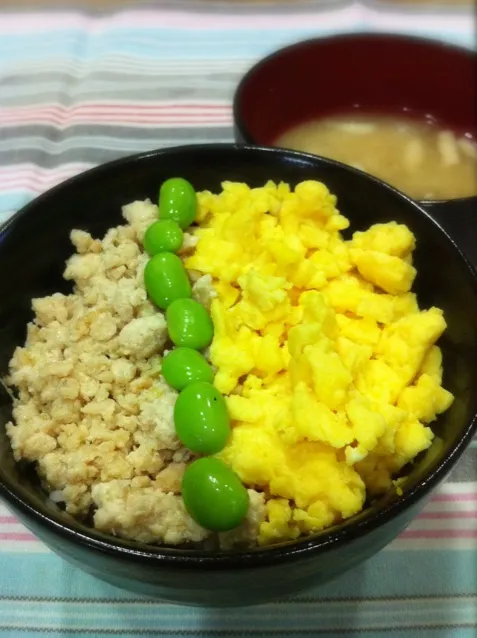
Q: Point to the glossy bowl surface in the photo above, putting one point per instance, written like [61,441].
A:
[34,245]
[371,73]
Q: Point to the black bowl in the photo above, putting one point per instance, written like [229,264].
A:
[34,245]
[367,72]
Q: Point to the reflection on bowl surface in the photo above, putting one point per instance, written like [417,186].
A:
[93,202]
[381,103]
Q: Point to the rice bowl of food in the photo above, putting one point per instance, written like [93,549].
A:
[256,368]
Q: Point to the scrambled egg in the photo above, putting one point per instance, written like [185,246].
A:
[328,364]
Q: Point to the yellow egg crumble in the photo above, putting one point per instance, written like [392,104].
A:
[329,367]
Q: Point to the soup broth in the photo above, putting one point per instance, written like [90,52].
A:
[417,157]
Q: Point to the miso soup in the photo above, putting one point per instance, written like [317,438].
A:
[417,157]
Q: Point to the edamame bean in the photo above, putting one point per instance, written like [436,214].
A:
[163,236]
[183,366]
[189,324]
[178,201]
[201,418]
[214,495]
[166,280]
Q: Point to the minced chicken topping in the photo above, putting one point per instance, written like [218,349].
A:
[92,409]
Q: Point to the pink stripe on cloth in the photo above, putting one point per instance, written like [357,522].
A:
[447,515]
[438,533]
[182,19]
[118,106]
[400,19]
[36,179]
[463,496]
[17,536]
[117,113]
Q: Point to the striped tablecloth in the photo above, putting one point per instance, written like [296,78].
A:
[78,89]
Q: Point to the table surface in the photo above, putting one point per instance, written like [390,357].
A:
[78,89]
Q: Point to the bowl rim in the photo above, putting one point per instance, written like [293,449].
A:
[350,39]
[197,559]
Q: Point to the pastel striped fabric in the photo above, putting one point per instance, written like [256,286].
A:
[78,89]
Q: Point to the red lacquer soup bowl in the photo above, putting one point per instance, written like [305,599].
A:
[359,73]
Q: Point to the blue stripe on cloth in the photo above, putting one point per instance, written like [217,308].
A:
[176,44]
[12,201]
[440,592]
[172,44]
[431,573]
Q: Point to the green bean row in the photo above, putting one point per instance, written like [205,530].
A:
[212,493]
